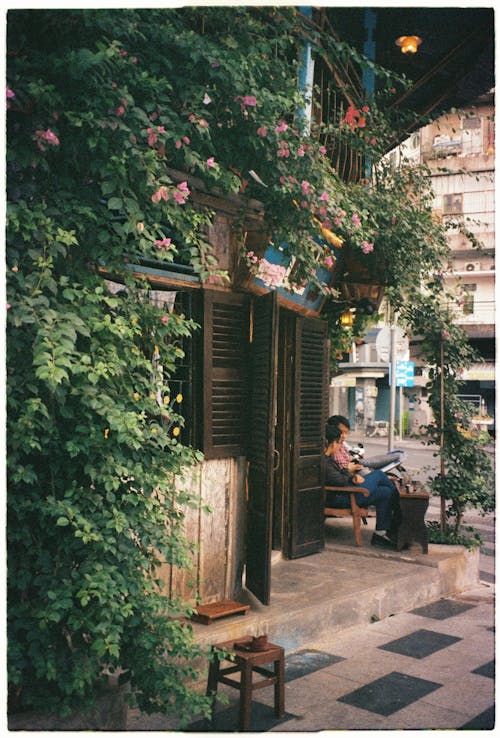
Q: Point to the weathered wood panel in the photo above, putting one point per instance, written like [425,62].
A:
[217,562]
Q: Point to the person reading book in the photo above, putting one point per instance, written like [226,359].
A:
[386,462]
[384,496]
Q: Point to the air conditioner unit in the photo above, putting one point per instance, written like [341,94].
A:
[473,266]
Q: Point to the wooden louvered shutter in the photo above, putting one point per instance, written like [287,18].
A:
[225,382]
[306,521]
[261,446]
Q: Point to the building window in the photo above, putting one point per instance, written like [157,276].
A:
[453,204]
[469,290]
[472,135]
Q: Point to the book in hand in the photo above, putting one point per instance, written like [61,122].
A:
[385,462]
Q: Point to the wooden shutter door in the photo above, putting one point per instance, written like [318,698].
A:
[225,380]
[261,446]
[306,518]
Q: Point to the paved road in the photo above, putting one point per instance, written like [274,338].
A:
[422,463]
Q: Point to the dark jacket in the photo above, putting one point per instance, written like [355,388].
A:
[335,476]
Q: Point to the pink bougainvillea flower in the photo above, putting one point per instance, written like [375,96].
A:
[160,194]
[211,162]
[182,193]
[47,136]
[365,109]
[164,319]
[186,140]
[178,144]
[134,60]
[355,219]
[324,196]
[207,99]
[282,127]
[249,101]
[262,131]
[301,151]
[306,187]
[8,305]
[329,261]
[51,137]
[164,243]
[366,247]
[273,275]
[10,94]
[192,118]
[152,137]
[322,150]
[120,110]
[123,52]
[351,117]
[203,123]
[362,121]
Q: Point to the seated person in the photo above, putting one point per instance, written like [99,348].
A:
[374,462]
[383,494]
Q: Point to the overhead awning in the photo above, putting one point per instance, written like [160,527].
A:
[482,372]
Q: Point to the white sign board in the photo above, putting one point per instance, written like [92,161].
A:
[383,345]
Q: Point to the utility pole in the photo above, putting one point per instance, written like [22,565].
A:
[392,415]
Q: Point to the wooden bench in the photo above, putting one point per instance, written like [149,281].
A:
[357,513]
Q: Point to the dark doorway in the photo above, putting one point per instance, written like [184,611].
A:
[289,406]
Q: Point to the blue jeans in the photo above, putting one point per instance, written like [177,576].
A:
[383,496]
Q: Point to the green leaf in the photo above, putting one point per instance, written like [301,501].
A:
[115,203]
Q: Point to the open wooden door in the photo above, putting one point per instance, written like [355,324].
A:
[263,361]
[305,519]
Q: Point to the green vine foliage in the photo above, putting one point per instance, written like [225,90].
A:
[466,479]
[103,108]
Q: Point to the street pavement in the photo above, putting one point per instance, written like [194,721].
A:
[432,668]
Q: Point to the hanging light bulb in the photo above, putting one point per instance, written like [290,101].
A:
[346,319]
[408,44]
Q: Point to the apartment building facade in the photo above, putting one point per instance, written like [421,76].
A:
[459,149]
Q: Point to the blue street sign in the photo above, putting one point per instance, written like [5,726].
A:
[405,373]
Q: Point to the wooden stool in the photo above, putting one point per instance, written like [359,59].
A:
[247,662]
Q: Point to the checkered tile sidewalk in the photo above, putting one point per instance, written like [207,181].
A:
[431,668]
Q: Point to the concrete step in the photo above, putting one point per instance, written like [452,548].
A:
[345,586]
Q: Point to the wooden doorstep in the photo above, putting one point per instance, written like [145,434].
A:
[207,614]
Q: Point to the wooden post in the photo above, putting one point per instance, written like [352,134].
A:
[441,441]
